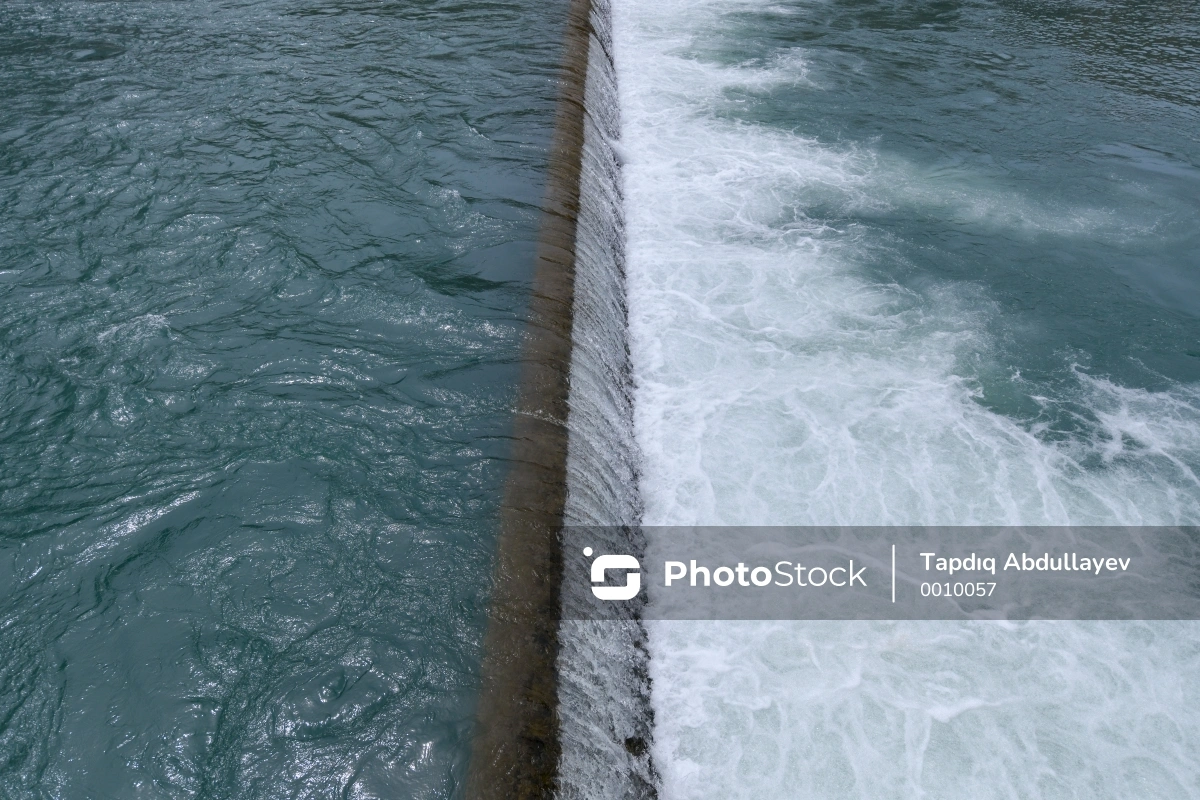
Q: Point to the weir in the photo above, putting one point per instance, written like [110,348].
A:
[564,706]
[604,687]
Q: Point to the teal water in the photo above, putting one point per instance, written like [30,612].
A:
[1044,160]
[262,275]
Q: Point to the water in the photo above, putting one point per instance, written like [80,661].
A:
[263,268]
[604,704]
[916,263]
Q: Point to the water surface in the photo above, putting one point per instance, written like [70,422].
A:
[262,274]
[896,263]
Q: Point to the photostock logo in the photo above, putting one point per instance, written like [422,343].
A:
[633,580]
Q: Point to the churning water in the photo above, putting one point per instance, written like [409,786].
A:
[263,268]
[916,263]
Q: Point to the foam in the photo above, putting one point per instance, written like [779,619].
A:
[777,384]
[885,710]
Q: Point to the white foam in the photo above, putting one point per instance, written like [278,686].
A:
[886,710]
[776,384]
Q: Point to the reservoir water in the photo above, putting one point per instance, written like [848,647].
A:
[916,263]
[263,271]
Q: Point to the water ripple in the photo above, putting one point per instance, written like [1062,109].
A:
[262,271]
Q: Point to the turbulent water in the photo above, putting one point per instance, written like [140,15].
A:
[262,275]
[916,263]
[604,715]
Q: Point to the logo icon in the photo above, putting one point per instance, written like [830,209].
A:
[633,580]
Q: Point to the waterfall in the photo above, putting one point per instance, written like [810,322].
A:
[604,689]
[565,703]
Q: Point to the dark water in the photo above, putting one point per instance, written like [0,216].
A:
[262,273]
